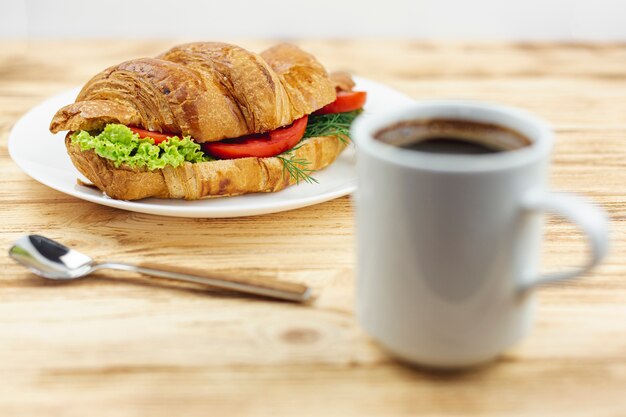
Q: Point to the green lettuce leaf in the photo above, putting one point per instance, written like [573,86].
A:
[120,145]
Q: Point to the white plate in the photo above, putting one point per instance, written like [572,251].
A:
[42,155]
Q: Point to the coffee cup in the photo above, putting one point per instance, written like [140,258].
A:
[449,240]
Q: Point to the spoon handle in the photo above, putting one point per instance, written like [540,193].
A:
[272,288]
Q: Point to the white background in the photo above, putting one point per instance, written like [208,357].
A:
[569,20]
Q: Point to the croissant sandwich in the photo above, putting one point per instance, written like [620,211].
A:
[208,120]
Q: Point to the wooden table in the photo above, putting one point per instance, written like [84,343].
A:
[119,345]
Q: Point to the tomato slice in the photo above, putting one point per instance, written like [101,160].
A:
[259,146]
[346,101]
[156,136]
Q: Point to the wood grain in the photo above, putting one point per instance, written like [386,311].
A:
[121,345]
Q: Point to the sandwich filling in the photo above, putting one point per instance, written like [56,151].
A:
[136,148]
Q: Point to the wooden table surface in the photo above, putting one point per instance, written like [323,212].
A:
[121,345]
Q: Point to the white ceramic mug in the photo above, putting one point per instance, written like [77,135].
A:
[448,245]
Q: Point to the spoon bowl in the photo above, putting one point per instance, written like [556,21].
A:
[50,259]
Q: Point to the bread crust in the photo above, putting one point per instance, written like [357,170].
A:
[193,181]
[207,90]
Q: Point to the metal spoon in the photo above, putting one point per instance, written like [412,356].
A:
[50,259]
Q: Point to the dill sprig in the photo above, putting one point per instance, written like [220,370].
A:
[334,124]
[296,167]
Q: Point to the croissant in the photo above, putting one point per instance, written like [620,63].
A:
[210,92]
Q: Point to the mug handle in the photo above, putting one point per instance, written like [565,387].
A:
[591,220]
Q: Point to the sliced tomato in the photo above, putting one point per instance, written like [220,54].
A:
[260,146]
[156,136]
[346,101]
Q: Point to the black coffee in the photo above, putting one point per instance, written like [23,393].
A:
[452,136]
[450,146]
